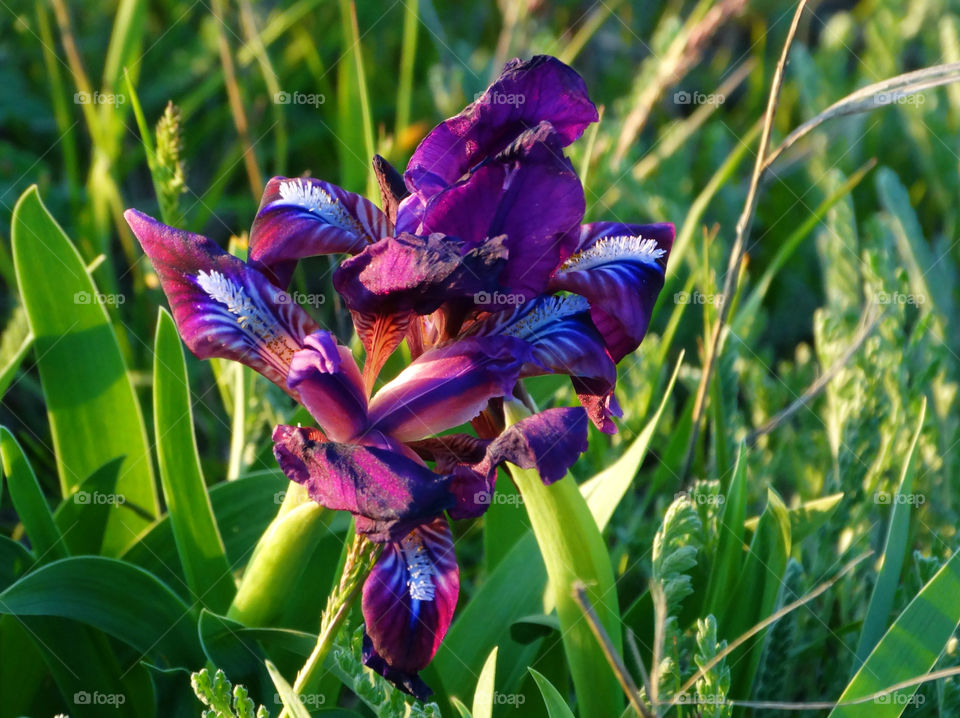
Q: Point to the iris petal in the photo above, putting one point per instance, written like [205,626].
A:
[304,217]
[447,386]
[530,193]
[408,604]
[328,381]
[525,94]
[388,492]
[222,307]
[620,269]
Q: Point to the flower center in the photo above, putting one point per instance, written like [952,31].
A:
[317,200]
[419,567]
[608,248]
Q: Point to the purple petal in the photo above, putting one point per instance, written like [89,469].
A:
[303,217]
[328,381]
[564,341]
[447,386]
[549,441]
[222,307]
[411,273]
[525,94]
[530,193]
[408,604]
[388,492]
[620,269]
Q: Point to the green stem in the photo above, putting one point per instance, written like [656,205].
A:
[359,561]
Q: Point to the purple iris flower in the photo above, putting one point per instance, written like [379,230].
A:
[480,261]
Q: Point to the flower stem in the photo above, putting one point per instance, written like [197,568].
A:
[359,561]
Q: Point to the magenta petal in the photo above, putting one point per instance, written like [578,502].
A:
[526,94]
[387,492]
[620,269]
[328,381]
[447,386]
[222,307]
[408,604]
[304,217]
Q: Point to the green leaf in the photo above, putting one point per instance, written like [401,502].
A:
[806,518]
[461,709]
[29,501]
[483,693]
[115,597]
[556,707]
[572,550]
[605,490]
[756,590]
[199,545]
[93,410]
[894,551]
[908,649]
[82,516]
[291,702]
[14,345]
[15,559]
[729,555]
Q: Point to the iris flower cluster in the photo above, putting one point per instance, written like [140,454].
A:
[480,261]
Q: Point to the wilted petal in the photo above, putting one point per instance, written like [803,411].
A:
[530,193]
[222,307]
[304,217]
[620,269]
[408,604]
[387,492]
[447,386]
[525,94]
[328,381]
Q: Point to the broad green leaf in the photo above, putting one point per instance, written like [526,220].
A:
[82,515]
[806,518]
[556,706]
[29,501]
[483,694]
[114,597]
[604,491]
[572,550]
[908,649]
[199,545]
[14,345]
[291,701]
[461,709]
[93,410]
[504,522]
[756,590]
[15,559]
[894,551]
[729,556]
